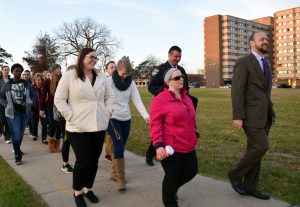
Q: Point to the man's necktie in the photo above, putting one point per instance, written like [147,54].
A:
[266,71]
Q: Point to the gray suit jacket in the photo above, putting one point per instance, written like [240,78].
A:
[251,98]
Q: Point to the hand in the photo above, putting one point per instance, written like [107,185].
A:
[160,152]
[42,113]
[147,120]
[238,124]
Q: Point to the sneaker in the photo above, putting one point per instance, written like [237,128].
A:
[7,141]
[107,158]
[18,161]
[45,142]
[34,138]
[67,168]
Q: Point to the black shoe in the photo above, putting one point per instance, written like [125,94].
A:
[18,161]
[258,194]
[149,161]
[45,142]
[79,200]
[237,186]
[91,196]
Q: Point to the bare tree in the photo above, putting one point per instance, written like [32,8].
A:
[43,54]
[83,33]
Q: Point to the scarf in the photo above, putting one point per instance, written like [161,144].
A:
[120,84]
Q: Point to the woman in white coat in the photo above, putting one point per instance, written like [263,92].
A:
[119,126]
[86,112]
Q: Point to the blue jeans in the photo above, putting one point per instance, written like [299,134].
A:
[119,132]
[17,127]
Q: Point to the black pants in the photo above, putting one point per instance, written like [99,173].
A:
[66,142]
[4,127]
[87,147]
[35,122]
[150,152]
[179,169]
[247,169]
[54,128]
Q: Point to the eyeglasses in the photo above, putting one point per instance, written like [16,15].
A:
[177,78]
[92,57]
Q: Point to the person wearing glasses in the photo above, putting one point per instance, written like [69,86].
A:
[173,122]
[157,84]
[85,99]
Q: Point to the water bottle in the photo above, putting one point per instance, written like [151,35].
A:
[168,150]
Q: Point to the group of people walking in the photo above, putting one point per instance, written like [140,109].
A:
[84,103]
[25,102]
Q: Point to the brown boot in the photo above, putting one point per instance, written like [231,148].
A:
[57,145]
[110,147]
[113,173]
[51,145]
[120,170]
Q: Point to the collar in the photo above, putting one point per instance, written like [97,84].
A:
[257,56]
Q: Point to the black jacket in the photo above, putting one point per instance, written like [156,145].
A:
[157,84]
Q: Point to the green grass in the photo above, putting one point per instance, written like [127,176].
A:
[218,150]
[221,146]
[14,192]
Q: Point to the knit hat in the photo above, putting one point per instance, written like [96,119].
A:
[54,66]
[17,65]
[169,73]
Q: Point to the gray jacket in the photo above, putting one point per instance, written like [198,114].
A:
[7,102]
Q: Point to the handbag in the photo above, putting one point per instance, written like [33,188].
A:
[56,114]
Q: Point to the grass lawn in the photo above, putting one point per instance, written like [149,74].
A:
[221,146]
[14,191]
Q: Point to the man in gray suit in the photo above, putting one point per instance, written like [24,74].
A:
[252,111]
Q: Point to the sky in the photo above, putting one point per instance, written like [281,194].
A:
[143,27]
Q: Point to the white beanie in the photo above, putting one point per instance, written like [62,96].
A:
[169,73]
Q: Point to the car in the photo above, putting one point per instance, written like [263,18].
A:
[283,85]
[194,85]
[227,85]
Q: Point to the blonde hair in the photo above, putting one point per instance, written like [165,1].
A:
[54,82]
[38,75]
[124,64]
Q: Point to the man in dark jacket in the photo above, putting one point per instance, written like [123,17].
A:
[252,111]
[157,84]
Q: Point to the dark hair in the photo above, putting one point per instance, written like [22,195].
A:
[106,66]
[4,66]
[17,65]
[79,65]
[251,38]
[174,48]
[28,71]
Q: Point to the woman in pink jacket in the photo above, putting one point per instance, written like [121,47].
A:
[172,122]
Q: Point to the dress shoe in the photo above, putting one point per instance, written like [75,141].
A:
[79,200]
[258,194]
[149,161]
[237,186]
[91,196]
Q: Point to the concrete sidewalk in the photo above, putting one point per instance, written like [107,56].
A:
[42,171]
